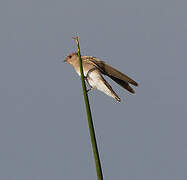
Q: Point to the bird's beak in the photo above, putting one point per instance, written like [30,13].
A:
[65,60]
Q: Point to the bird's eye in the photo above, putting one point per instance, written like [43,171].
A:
[70,56]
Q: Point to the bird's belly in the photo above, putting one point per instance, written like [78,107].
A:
[94,79]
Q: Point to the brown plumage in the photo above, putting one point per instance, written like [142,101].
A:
[100,67]
[111,72]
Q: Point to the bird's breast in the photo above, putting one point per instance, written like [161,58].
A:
[86,68]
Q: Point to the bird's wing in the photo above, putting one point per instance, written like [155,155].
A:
[113,73]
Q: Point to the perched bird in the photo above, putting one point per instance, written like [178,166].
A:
[93,69]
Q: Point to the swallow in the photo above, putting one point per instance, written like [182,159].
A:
[94,69]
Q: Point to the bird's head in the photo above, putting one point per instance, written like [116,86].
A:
[71,58]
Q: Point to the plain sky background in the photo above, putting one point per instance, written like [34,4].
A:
[43,125]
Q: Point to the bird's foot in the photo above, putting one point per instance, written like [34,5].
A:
[85,78]
[90,89]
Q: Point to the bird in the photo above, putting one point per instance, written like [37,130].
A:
[94,69]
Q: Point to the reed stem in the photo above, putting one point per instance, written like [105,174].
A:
[89,116]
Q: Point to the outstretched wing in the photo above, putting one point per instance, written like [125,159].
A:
[120,78]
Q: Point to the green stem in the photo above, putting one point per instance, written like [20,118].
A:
[89,116]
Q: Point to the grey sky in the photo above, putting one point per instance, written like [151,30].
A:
[43,125]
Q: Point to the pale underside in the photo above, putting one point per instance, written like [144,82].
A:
[96,80]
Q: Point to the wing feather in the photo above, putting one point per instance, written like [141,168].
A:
[113,73]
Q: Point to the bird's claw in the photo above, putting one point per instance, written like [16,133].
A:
[85,78]
[89,89]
